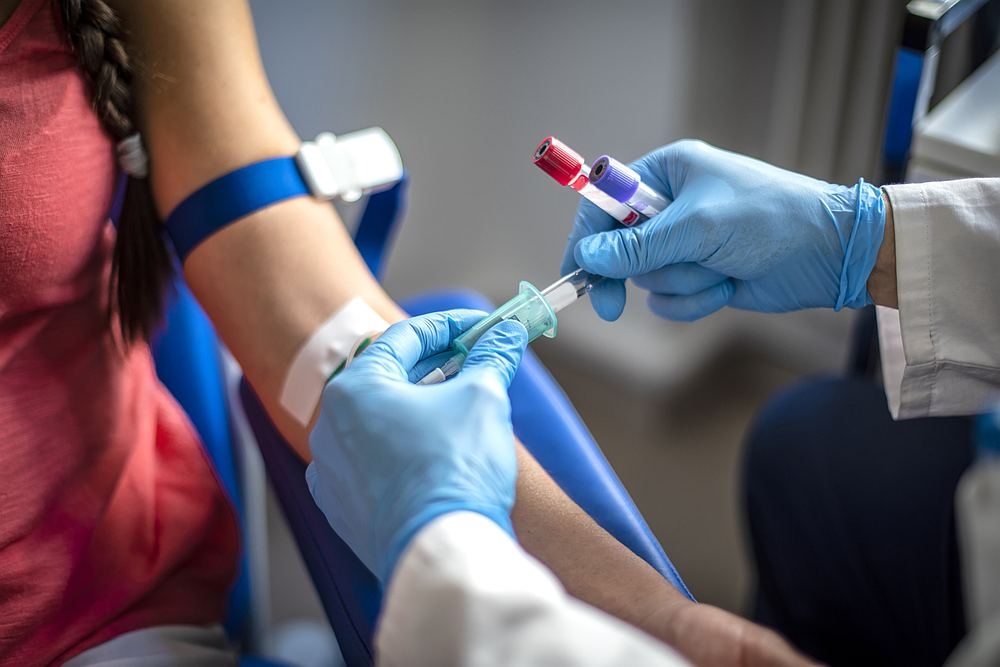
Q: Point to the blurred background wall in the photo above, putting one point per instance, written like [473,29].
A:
[467,89]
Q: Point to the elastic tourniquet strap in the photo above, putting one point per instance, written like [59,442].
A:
[231,197]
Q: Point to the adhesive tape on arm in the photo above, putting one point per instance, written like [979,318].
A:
[327,348]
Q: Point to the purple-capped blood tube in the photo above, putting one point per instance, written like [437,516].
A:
[623,184]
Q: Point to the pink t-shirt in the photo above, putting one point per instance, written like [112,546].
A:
[111,518]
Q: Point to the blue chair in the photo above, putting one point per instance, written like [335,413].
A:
[543,419]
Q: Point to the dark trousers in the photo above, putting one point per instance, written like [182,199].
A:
[851,521]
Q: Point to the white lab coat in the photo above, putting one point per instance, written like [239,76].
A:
[465,593]
[941,349]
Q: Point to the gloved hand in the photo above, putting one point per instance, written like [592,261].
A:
[389,456]
[739,232]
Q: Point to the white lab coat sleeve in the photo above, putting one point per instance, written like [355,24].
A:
[465,593]
[941,349]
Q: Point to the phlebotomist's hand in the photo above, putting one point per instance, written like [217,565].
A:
[738,232]
[389,456]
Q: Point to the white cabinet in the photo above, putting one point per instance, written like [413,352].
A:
[960,138]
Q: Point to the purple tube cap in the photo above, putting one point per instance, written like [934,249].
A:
[615,179]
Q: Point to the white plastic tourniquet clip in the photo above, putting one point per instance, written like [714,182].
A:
[351,165]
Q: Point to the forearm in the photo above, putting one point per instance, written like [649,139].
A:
[268,290]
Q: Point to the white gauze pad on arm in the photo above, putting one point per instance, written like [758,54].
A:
[327,348]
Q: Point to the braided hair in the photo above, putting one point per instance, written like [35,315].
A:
[141,266]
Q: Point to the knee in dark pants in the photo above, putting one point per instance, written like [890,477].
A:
[850,524]
[787,441]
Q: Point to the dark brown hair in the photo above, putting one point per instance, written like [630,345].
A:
[141,266]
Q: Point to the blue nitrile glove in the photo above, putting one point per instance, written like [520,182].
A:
[738,232]
[389,456]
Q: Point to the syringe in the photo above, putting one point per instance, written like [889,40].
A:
[535,309]
[624,185]
[569,169]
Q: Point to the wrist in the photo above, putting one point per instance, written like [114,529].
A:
[666,619]
[882,281]
[860,214]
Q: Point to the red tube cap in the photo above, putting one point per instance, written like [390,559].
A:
[558,160]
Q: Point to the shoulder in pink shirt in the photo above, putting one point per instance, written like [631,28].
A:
[111,518]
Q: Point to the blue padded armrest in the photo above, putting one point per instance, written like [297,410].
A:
[544,421]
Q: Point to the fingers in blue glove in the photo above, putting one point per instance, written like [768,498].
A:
[683,279]
[692,307]
[425,366]
[373,425]
[404,344]
[608,299]
[666,168]
[655,171]
[668,238]
[590,219]
[497,353]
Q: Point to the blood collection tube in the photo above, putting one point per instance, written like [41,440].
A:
[624,185]
[568,169]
